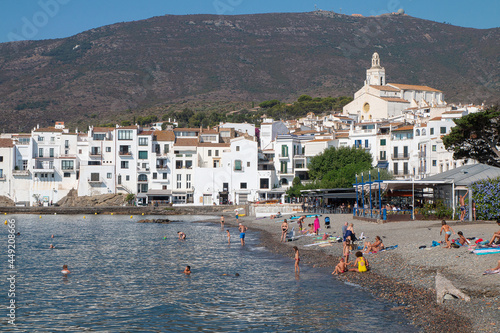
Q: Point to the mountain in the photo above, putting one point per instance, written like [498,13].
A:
[145,66]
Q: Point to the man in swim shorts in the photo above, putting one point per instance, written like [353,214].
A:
[242,230]
[462,206]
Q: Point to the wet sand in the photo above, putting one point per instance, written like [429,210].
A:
[406,275]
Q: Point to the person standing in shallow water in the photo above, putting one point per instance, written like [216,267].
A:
[297,260]
[222,221]
[242,230]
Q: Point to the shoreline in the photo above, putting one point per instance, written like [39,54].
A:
[395,276]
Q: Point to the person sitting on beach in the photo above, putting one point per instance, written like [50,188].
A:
[182,236]
[341,267]
[375,246]
[361,263]
[350,233]
[448,230]
[187,270]
[496,235]
[461,240]
[493,270]
[311,229]
[65,269]
[284,230]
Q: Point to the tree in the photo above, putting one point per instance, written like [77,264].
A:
[337,167]
[476,136]
[304,98]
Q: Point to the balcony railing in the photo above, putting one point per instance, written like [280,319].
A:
[21,172]
[162,167]
[400,156]
[125,153]
[95,154]
[283,155]
[421,154]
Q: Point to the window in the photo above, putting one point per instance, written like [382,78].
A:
[143,155]
[66,143]
[225,187]
[124,135]
[108,149]
[178,164]
[210,152]
[434,162]
[166,149]
[248,164]
[125,150]
[237,165]
[395,152]
[432,131]
[164,187]
[67,175]
[417,132]
[216,163]
[25,164]
[127,178]
[1,158]
[40,152]
[165,175]
[243,186]
[94,177]
[284,167]
[188,181]
[79,151]
[124,165]
[67,164]
[109,175]
[284,151]
[264,183]
[405,152]
[217,152]
[155,175]
[237,148]
[144,188]
[383,155]
[95,151]
[367,144]
[405,168]
[99,136]
[40,139]
[143,141]
[395,168]
[443,130]
[52,139]
[1,173]
[433,147]
[94,163]
[143,178]
[179,181]
[189,164]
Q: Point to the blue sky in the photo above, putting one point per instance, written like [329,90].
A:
[42,19]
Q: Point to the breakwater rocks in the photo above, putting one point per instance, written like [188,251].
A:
[154,221]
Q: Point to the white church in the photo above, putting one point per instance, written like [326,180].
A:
[380,100]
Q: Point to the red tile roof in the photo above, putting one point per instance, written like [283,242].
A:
[6,143]
[413,87]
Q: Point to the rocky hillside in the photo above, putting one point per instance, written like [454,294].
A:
[127,68]
[104,200]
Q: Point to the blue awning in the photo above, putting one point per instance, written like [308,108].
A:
[383,165]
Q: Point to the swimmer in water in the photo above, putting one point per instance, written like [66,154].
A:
[228,237]
[65,269]
[182,236]
[187,270]
[52,246]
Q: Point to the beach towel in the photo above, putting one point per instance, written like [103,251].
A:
[434,243]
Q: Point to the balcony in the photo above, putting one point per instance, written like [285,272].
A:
[43,167]
[21,172]
[283,156]
[162,167]
[422,154]
[125,153]
[400,156]
[95,154]
[95,180]
[382,159]
[366,147]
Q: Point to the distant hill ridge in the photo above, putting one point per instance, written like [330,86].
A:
[147,64]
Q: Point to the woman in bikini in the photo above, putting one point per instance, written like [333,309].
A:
[448,230]
[375,246]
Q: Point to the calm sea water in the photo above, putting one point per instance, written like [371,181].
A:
[127,277]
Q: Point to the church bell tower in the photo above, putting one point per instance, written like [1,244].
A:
[376,74]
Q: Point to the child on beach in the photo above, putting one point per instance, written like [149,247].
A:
[228,237]
[187,270]
[361,262]
[65,269]
[448,230]
[300,221]
[341,267]
[182,236]
[297,259]
[461,240]
[346,250]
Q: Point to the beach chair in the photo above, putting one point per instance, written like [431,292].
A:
[327,222]
[291,235]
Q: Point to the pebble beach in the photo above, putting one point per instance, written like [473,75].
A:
[406,275]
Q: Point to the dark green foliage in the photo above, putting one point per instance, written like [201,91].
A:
[304,105]
[70,50]
[337,167]
[33,105]
[269,104]
[476,136]
[125,123]
[146,120]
